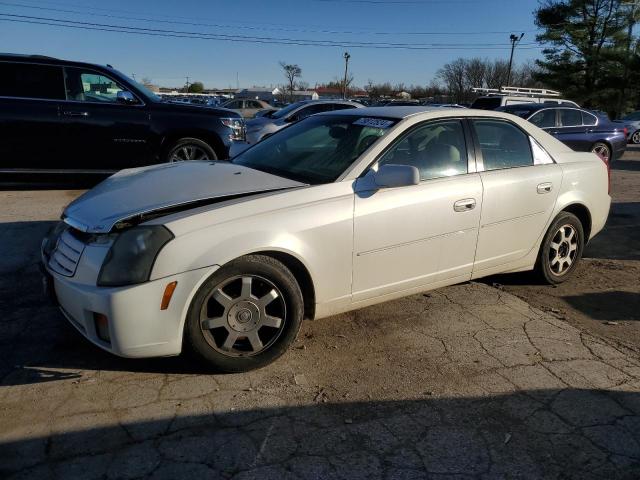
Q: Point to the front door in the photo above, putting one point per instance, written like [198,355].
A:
[102,132]
[521,184]
[414,236]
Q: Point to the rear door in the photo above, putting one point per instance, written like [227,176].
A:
[521,184]
[102,132]
[30,124]
[571,131]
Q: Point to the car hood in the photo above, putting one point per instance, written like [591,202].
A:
[258,123]
[136,193]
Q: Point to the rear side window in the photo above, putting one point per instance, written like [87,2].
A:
[544,119]
[503,145]
[26,80]
[588,119]
[570,118]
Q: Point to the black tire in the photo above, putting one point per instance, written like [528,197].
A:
[548,272]
[197,340]
[189,144]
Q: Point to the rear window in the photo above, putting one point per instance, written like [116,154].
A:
[487,103]
[26,80]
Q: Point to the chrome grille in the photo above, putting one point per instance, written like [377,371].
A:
[65,256]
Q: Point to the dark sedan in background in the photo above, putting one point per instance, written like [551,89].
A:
[582,130]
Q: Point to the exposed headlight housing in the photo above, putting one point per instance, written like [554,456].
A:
[237,126]
[132,255]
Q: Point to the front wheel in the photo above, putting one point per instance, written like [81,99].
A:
[189,149]
[245,315]
[561,249]
[635,138]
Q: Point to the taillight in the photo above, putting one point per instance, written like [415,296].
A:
[626,132]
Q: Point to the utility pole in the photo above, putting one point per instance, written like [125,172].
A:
[514,41]
[346,70]
[187,86]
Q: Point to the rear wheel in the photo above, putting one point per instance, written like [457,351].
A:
[635,138]
[189,149]
[561,249]
[603,150]
[246,315]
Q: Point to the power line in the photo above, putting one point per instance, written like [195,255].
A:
[241,38]
[246,27]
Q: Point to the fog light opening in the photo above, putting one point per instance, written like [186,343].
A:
[168,293]
[102,327]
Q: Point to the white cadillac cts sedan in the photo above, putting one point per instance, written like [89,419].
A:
[340,211]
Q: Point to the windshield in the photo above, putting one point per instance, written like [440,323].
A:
[316,150]
[283,112]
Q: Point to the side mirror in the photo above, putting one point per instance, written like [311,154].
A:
[124,96]
[390,176]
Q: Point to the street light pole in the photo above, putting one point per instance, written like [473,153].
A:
[346,70]
[514,41]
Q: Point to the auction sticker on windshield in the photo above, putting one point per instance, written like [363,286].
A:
[374,122]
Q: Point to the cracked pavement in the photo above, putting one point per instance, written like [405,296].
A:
[465,382]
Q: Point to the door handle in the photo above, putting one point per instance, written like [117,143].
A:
[75,114]
[464,205]
[545,187]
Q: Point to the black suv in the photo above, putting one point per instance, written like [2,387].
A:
[57,116]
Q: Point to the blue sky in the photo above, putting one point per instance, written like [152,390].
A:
[219,63]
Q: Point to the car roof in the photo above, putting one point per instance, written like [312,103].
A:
[391,112]
[44,60]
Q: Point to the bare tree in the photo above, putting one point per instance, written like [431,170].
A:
[291,73]
[453,75]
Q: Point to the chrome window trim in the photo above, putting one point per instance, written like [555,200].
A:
[64,86]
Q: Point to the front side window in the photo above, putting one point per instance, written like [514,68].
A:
[316,150]
[503,145]
[544,119]
[26,80]
[570,118]
[87,86]
[436,149]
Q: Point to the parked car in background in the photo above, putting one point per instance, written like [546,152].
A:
[271,122]
[340,211]
[246,107]
[582,130]
[494,98]
[58,116]
[632,121]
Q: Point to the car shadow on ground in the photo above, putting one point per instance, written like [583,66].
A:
[530,434]
[607,306]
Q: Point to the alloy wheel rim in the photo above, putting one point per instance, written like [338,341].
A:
[188,152]
[563,250]
[243,316]
[601,150]
[635,138]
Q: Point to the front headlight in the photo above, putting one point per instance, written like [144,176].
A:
[132,255]
[237,126]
